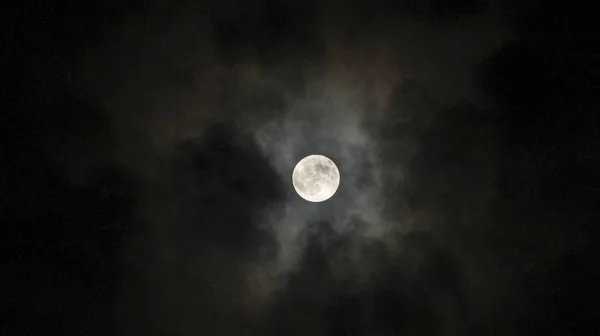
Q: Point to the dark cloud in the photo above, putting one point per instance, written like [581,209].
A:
[149,186]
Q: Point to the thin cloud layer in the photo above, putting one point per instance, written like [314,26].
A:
[167,171]
[363,99]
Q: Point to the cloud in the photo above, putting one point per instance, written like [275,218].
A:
[213,111]
[151,173]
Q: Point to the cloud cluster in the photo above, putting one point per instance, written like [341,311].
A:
[150,176]
[214,107]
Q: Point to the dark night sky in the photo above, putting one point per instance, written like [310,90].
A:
[150,147]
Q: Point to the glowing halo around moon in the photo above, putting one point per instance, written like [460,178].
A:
[316,178]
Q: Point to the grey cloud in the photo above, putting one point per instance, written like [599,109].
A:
[228,210]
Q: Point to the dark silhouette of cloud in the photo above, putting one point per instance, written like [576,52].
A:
[151,149]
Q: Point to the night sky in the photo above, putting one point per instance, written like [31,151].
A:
[149,148]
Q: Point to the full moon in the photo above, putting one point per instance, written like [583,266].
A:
[316,178]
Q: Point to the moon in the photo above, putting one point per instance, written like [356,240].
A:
[316,178]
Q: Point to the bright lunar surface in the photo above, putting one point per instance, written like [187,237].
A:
[316,178]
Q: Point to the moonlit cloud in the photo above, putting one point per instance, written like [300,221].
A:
[164,136]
